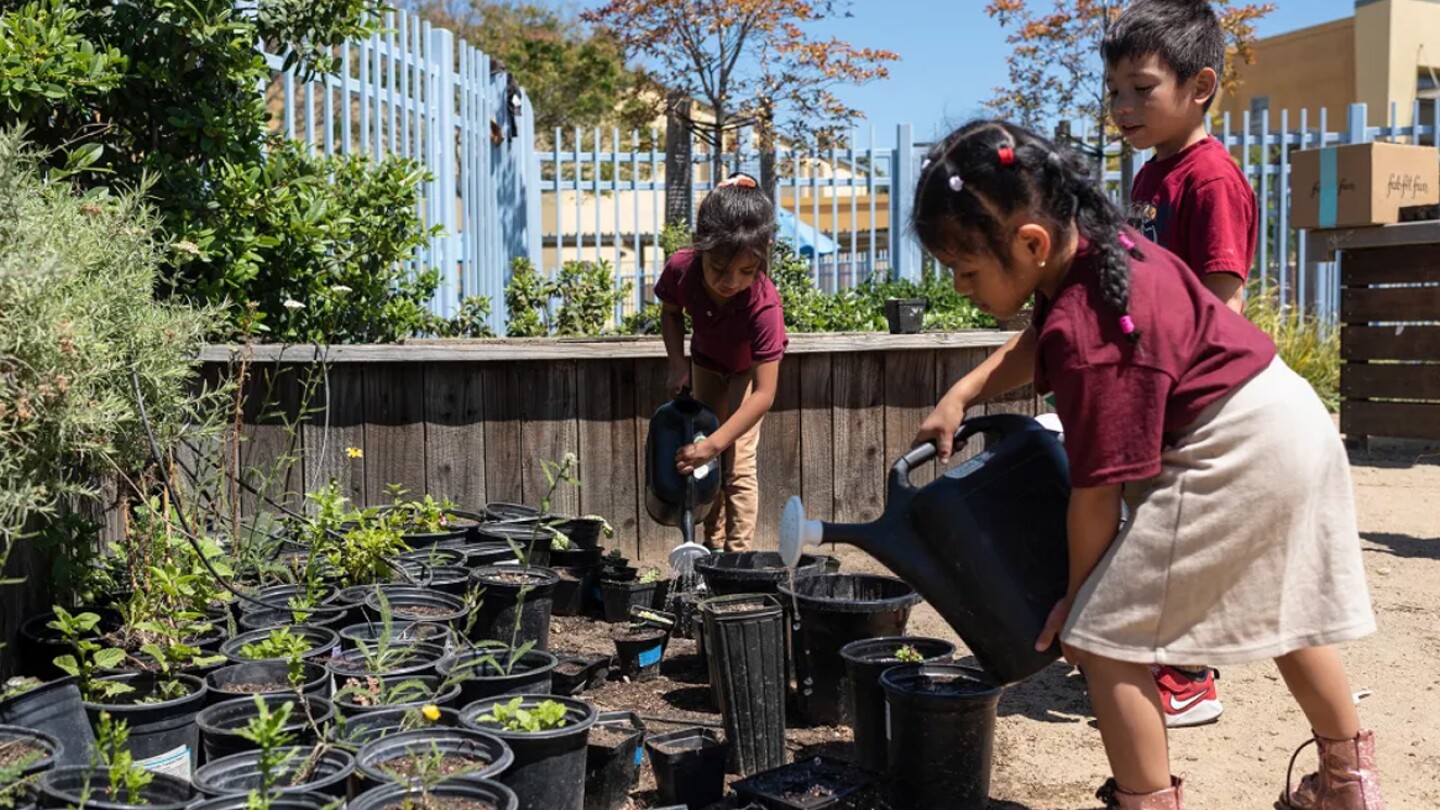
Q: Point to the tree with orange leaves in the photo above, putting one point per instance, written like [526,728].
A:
[750,62]
[1055,68]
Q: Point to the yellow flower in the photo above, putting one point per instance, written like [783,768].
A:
[354,452]
[431,712]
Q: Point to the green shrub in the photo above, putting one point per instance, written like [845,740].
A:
[1306,343]
[586,292]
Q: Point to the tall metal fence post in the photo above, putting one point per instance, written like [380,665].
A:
[904,250]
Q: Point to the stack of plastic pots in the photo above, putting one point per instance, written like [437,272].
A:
[746,638]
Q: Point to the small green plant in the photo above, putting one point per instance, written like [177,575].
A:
[362,554]
[14,787]
[425,516]
[126,779]
[280,644]
[90,658]
[19,685]
[267,732]
[1306,343]
[545,716]
[674,237]
[651,574]
[908,654]
[374,691]
[615,558]
[560,543]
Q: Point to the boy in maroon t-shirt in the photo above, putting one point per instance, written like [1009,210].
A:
[1163,61]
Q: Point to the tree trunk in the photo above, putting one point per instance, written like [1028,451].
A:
[679,203]
[769,181]
[717,153]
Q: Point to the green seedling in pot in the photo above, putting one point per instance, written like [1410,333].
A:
[125,778]
[281,643]
[372,691]
[19,685]
[14,787]
[266,731]
[908,654]
[90,658]
[560,543]
[651,574]
[425,516]
[546,716]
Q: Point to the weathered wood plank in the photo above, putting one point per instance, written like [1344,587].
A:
[548,430]
[1390,381]
[779,458]
[607,447]
[1394,420]
[859,419]
[817,436]
[500,390]
[950,366]
[1368,305]
[337,423]
[272,450]
[394,431]
[1390,343]
[909,398]
[455,433]
[599,348]
[1406,264]
[653,540]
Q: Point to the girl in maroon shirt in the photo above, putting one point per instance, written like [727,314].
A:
[721,283]
[1241,543]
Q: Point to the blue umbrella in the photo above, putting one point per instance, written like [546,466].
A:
[807,240]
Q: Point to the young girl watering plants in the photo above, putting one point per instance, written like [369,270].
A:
[1241,544]
[721,282]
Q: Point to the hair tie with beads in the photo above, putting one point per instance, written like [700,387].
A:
[1127,325]
[1007,155]
[1126,242]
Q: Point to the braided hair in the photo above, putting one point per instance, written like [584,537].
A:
[974,180]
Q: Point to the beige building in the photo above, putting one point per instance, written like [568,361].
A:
[1388,51]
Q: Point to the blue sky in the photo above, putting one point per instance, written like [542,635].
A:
[952,56]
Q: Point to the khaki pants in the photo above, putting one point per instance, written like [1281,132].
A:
[731,522]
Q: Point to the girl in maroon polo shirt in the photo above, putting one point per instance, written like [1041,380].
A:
[721,282]
[1241,543]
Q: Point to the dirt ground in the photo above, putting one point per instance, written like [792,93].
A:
[1048,754]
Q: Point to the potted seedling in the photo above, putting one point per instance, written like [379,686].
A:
[25,754]
[548,737]
[358,695]
[620,596]
[491,668]
[117,782]
[865,660]
[640,646]
[275,766]
[281,644]
[224,726]
[584,532]
[426,756]
[616,566]
[425,522]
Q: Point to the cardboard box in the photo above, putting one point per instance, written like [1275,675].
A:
[1359,185]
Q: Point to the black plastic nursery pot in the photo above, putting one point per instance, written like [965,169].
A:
[507,615]
[318,769]
[583,532]
[330,616]
[401,691]
[353,733]
[574,674]
[942,735]
[812,784]
[549,768]
[454,794]
[305,800]
[512,512]
[612,760]
[865,660]
[369,633]
[67,787]
[440,555]
[736,572]
[57,710]
[488,671]
[528,542]
[836,609]
[490,552]
[388,660]
[221,724]
[163,735]
[37,645]
[457,752]
[905,316]
[450,579]
[619,597]
[419,605]
[745,638]
[264,678]
[280,596]
[639,651]
[575,557]
[689,766]
[570,586]
[33,751]
[322,641]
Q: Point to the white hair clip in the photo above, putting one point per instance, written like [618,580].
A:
[956,183]
[925,164]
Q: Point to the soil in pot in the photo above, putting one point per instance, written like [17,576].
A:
[640,651]
[369,693]
[736,572]
[612,766]
[290,801]
[493,670]
[528,542]
[368,633]
[941,729]
[745,645]
[160,713]
[221,724]
[432,754]
[331,616]
[27,751]
[457,794]
[418,605]
[321,769]
[504,608]
[55,709]
[67,787]
[264,678]
[318,643]
[812,784]
[549,768]
[417,659]
[575,674]
[355,731]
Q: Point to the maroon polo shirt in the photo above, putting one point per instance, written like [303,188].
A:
[1198,205]
[1119,400]
[730,337]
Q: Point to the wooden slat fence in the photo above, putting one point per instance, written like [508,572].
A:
[464,424]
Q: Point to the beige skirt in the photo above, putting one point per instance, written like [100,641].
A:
[1244,547]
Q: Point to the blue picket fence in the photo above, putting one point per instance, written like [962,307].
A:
[418,92]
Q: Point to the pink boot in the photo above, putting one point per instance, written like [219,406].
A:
[1347,778]
[1171,798]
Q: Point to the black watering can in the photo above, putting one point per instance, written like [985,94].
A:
[673,499]
[985,543]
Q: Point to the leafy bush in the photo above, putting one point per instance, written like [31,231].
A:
[1306,343]
[77,314]
[586,292]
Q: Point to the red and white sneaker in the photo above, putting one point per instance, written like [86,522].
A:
[1188,700]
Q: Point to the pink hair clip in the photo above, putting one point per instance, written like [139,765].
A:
[1127,324]
[1126,242]
[1007,156]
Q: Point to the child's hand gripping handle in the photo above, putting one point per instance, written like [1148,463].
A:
[998,425]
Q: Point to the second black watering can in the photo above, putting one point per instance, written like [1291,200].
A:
[985,543]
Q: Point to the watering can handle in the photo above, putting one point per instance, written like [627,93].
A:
[996,424]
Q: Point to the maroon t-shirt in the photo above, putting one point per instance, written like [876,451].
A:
[1198,205]
[1118,400]
[729,338]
